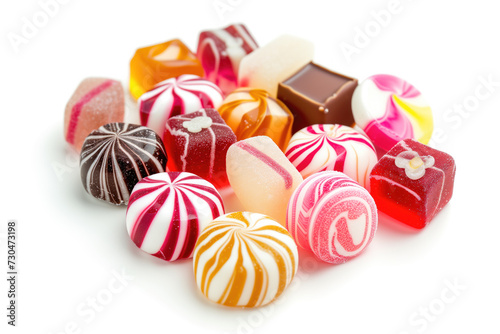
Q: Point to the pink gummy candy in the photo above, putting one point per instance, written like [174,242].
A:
[220,52]
[413,182]
[333,216]
[197,143]
[95,102]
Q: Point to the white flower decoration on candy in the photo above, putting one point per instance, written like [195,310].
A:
[414,164]
[197,124]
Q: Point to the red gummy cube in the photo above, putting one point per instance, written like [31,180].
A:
[197,142]
[412,182]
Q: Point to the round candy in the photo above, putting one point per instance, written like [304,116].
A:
[167,212]
[389,109]
[117,156]
[253,112]
[177,96]
[244,259]
[332,216]
[332,147]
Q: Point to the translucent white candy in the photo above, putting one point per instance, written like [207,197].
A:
[273,63]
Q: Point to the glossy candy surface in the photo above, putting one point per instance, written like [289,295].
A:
[332,216]
[316,95]
[413,182]
[323,147]
[197,143]
[117,156]
[261,176]
[153,64]
[95,102]
[177,96]
[253,112]
[220,52]
[273,63]
[244,259]
[167,212]
[389,109]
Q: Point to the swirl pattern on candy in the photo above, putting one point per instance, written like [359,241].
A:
[117,156]
[244,259]
[332,216]
[332,147]
[413,182]
[95,102]
[177,96]
[153,64]
[253,112]
[261,176]
[197,143]
[167,212]
[220,52]
[389,109]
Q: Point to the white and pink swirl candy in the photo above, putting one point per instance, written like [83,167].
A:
[389,109]
[167,212]
[332,147]
[177,96]
[332,216]
[220,52]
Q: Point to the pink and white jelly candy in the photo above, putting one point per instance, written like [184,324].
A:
[167,212]
[220,52]
[261,176]
[332,216]
[332,147]
[177,96]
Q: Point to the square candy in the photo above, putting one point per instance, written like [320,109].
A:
[153,64]
[413,182]
[220,52]
[316,95]
[197,143]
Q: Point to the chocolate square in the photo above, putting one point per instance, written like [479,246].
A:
[316,95]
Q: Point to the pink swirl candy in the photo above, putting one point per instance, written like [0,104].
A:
[332,216]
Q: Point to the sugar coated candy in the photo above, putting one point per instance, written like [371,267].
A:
[316,95]
[389,109]
[117,156]
[253,112]
[273,63]
[177,96]
[96,101]
[167,212]
[261,176]
[153,64]
[413,182]
[323,147]
[244,259]
[220,52]
[197,143]
[332,216]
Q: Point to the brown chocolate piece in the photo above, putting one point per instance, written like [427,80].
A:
[316,95]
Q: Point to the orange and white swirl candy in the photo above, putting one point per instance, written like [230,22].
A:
[244,259]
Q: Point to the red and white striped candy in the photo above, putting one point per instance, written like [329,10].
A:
[167,212]
[332,216]
[177,96]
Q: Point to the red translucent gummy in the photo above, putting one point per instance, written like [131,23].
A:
[414,202]
[198,143]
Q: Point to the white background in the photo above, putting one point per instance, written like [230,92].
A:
[71,246]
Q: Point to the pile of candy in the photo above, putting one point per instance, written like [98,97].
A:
[311,155]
